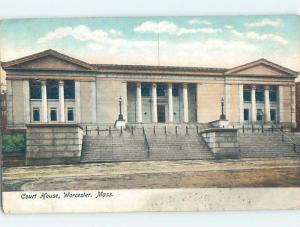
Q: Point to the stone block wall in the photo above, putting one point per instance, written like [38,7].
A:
[53,144]
[223,142]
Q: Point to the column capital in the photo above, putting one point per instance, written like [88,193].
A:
[138,84]
[185,85]
[170,85]
[43,82]
[253,87]
[61,82]
[154,85]
[267,87]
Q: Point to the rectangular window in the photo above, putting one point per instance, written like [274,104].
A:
[35,89]
[259,114]
[247,95]
[259,96]
[246,114]
[36,114]
[53,114]
[70,114]
[273,115]
[52,89]
[69,89]
[175,91]
[273,96]
[160,90]
[145,90]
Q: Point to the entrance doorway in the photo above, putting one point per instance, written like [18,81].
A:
[161,113]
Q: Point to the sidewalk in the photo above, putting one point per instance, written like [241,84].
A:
[158,174]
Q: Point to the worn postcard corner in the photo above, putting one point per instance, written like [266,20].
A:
[150,114]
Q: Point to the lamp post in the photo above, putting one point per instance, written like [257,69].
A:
[222,116]
[120,118]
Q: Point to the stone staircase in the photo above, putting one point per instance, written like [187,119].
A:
[265,145]
[113,148]
[178,147]
[164,144]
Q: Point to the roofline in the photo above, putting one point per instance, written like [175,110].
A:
[7,64]
[294,73]
[119,68]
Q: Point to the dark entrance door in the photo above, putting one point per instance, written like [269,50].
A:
[161,113]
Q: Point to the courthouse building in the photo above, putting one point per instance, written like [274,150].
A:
[50,87]
[69,109]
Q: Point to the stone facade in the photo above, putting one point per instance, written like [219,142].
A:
[99,87]
[53,144]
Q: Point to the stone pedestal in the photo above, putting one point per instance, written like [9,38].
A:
[220,123]
[120,123]
[53,144]
[223,142]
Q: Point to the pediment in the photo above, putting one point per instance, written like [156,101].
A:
[48,60]
[262,67]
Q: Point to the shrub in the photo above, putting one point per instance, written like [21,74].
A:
[14,143]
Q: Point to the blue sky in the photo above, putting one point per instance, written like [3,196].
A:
[224,41]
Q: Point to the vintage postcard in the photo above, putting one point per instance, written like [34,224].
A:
[150,114]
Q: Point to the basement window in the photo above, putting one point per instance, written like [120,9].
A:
[273,115]
[36,114]
[70,114]
[246,114]
[259,115]
[53,114]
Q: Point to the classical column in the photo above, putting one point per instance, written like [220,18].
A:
[44,101]
[293,104]
[61,99]
[139,102]
[170,102]
[93,97]
[227,101]
[241,102]
[267,104]
[26,92]
[198,100]
[77,102]
[185,103]
[154,103]
[253,103]
[281,109]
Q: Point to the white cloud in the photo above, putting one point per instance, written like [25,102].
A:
[275,38]
[228,26]
[80,32]
[260,36]
[265,22]
[115,32]
[209,53]
[198,21]
[170,28]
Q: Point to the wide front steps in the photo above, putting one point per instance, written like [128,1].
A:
[178,147]
[113,148]
[265,145]
[131,146]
